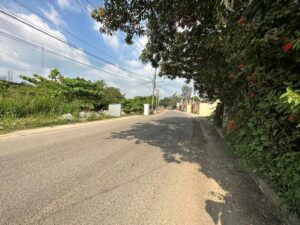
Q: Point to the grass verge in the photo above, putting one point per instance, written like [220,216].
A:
[9,124]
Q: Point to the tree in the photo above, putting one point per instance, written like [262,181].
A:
[196,99]
[91,94]
[136,104]
[194,39]
[170,101]
[244,53]
[186,91]
[111,95]
[179,53]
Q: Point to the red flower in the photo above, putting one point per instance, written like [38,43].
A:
[230,124]
[291,118]
[241,66]
[253,94]
[287,46]
[241,20]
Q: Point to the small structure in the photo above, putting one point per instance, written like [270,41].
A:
[185,105]
[114,110]
[203,108]
[146,109]
[200,108]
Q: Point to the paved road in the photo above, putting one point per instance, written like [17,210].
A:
[168,169]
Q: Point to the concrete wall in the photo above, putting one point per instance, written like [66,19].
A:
[203,109]
[189,108]
[114,109]
[206,109]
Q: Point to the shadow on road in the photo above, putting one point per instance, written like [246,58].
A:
[194,140]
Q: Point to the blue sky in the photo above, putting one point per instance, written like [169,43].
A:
[59,17]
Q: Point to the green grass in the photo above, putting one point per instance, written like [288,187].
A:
[23,106]
[9,124]
[24,112]
[29,111]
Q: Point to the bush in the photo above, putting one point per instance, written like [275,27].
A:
[23,106]
[269,140]
[135,105]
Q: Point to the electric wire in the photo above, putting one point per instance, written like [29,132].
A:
[63,41]
[53,52]
[94,47]
[59,54]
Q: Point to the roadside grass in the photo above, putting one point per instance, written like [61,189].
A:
[20,111]
[23,112]
[9,123]
[23,106]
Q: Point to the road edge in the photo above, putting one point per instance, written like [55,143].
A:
[280,208]
[46,129]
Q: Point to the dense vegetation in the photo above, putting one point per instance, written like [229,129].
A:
[136,104]
[170,101]
[244,53]
[45,100]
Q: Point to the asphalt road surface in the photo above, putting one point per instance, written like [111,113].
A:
[167,169]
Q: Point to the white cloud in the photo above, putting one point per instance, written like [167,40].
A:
[68,5]
[20,56]
[97,25]
[52,15]
[110,40]
[11,57]
[141,42]
[22,59]
[64,4]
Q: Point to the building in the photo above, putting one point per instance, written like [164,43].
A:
[200,108]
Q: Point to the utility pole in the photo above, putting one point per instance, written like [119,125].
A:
[153,91]
[157,96]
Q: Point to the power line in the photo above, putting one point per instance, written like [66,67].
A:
[85,8]
[92,4]
[67,31]
[13,30]
[61,55]
[27,34]
[153,91]
[63,41]
[142,84]
[72,34]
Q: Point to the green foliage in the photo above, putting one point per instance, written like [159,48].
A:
[54,95]
[292,99]
[3,87]
[28,105]
[269,140]
[218,115]
[88,92]
[244,53]
[186,91]
[170,101]
[111,95]
[136,104]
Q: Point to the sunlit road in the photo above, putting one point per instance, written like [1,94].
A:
[165,169]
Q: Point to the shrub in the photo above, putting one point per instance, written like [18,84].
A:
[23,106]
[136,104]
